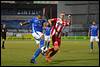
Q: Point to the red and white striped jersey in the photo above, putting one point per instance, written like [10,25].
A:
[58,26]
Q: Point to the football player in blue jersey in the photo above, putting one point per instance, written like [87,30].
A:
[37,32]
[47,34]
[47,31]
[94,34]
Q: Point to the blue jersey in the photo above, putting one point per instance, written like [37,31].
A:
[93,30]
[37,24]
[47,31]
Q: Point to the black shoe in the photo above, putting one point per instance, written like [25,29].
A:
[3,47]
[33,61]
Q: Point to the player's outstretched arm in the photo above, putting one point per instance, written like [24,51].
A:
[23,23]
[50,21]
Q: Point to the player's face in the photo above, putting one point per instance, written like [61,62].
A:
[39,17]
[62,15]
[93,23]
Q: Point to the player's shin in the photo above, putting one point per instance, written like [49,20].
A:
[56,48]
[53,53]
[49,51]
[53,49]
[38,51]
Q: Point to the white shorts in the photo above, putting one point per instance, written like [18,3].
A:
[37,36]
[94,38]
[47,38]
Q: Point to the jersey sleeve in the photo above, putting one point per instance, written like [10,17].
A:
[54,20]
[31,20]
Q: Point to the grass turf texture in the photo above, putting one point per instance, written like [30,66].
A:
[72,53]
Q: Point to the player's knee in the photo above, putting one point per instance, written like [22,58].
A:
[56,47]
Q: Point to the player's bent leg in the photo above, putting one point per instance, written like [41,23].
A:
[56,48]
[36,54]
[48,51]
[53,52]
[38,51]
[47,57]
[33,60]
[38,40]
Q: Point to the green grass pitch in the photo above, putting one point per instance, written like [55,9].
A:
[72,53]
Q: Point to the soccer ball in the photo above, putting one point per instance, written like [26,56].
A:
[44,50]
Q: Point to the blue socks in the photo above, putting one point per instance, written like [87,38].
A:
[41,43]
[38,51]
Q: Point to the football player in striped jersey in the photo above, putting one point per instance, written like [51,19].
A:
[57,26]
